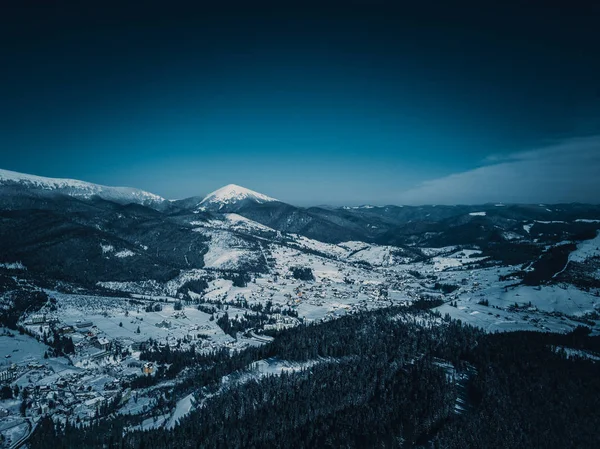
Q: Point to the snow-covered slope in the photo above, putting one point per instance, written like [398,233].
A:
[586,249]
[235,222]
[231,195]
[228,251]
[75,188]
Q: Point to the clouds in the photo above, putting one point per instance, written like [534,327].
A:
[565,172]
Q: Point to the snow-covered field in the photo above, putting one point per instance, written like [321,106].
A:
[343,281]
[553,307]
[183,407]
[20,349]
[118,319]
[586,249]
[228,252]
[457,259]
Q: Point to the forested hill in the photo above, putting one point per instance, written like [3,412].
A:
[383,379]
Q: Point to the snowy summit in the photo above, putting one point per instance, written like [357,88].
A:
[231,195]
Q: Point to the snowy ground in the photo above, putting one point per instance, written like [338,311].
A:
[586,249]
[20,349]
[228,252]
[551,307]
[13,429]
[457,259]
[341,283]
[183,407]
[118,319]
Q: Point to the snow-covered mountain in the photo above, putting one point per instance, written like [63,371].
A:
[232,197]
[10,180]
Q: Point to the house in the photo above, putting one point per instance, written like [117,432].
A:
[103,343]
[37,319]
[99,355]
[84,324]
[148,368]
[6,375]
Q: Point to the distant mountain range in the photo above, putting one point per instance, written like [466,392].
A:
[86,233]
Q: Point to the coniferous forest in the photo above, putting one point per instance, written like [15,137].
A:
[386,378]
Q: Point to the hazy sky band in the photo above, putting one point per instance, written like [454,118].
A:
[312,105]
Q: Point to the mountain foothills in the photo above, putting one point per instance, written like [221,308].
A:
[237,320]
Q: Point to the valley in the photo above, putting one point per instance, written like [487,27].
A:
[114,306]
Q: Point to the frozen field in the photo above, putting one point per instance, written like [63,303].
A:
[20,349]
[118,319]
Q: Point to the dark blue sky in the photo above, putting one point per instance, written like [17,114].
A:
[351,102]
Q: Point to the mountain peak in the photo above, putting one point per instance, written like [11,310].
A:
[232,194]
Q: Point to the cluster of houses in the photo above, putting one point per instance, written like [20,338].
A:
[282,322]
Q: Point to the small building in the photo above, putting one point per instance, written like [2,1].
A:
[84,324]
[103,343]
[148,368]
[36,319]
[102,354]
[6,375]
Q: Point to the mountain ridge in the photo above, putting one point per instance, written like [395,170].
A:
[77,188]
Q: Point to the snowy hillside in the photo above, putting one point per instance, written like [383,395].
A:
[586,249]
[226,251]
[75,188]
